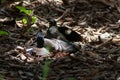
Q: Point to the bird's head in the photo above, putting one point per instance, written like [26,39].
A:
[40,39]
[52,22]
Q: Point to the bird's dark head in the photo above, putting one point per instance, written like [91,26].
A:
[40,39]
[52,22]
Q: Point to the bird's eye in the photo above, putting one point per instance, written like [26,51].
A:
[68,31]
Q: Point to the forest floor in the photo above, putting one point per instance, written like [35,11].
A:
[97,21]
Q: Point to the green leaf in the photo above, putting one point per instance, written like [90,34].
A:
[3,33]
[21,8]
[2,1]
[1,77]
[34,19]
[71,78]
[29,29]
[24,10]
[46,69]
[28,12]
[24,20]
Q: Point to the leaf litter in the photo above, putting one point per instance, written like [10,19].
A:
[97,21]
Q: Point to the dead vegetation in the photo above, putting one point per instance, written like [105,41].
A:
[97,21]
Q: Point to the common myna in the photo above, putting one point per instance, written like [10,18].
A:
[63,33]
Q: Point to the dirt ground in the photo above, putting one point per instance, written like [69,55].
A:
[97,21]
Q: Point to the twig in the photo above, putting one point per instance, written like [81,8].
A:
[67,10]
[103,44]
[8,53]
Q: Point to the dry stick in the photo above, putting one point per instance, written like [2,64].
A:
[58,9]
[54,7]
[67,10]
[83,61]
[118,7]
[116,40]
[39,17]
[104,43]
[8,53]
[101,29]
[93,55]
[105,30]
[29,42]
[18,66]
[114,50]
